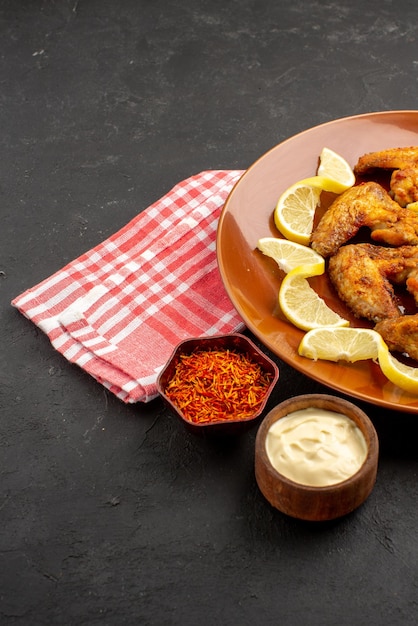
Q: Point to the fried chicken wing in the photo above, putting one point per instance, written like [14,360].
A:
[404,185]
[363,276]
[391,159]
[401,334]
[366,205]
[404,162]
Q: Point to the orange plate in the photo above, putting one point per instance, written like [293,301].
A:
[253,280]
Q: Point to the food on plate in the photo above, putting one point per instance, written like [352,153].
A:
[335,167]
[400,334]
[301,304]
[404,376]
[314,345]
[298,301]
[404,179]
[366,205]
[290,255]
[363,276]
[404,186]
[390,159]
[295,212]
[341,344]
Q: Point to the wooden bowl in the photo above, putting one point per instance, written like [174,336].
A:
[235,342]
[310,502]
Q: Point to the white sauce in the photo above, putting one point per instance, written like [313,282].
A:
[316,447]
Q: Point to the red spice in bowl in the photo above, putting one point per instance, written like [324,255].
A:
[217,381]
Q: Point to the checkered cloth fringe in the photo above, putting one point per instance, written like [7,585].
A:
[119,309]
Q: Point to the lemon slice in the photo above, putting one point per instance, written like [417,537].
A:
[334,166]
[355,344]
[301,304]
[398,373]
[341,344]
[295,211]
[289,255]
[325,183]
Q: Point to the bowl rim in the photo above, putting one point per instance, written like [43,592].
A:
[362,421]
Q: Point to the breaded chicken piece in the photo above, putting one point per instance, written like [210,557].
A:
[401,334]
[404,162]
[390,159]
[363,276]
[367,205]
[404,185]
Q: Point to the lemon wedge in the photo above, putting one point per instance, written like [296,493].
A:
[290,255]
[355,344]
[301,305]
[299,302]
[341,344]
[335,167]
[404,376]
[295,211]
[325,183]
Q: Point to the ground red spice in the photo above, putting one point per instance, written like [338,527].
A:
[217,385]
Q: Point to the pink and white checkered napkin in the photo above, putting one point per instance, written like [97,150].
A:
[118,310]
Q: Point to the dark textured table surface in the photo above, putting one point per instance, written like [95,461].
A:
[111,513]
